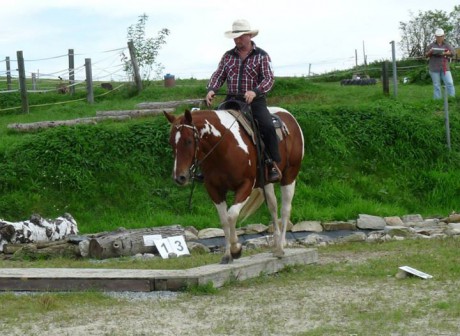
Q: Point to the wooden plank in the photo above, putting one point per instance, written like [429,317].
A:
[70,279]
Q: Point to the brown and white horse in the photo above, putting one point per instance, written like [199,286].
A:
[216,142]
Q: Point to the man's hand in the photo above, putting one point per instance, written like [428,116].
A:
[210,97]
[249,96]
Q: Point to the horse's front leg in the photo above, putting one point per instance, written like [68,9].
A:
[233,248]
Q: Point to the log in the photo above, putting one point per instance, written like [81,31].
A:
[135,113]
[47,251]
[171,104]
[36,230]
[128,242]
[24,127]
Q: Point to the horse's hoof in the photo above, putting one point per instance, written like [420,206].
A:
[237,254]
[226,259]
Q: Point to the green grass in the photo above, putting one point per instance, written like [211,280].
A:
[365,153]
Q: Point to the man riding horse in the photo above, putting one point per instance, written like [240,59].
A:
[247,70]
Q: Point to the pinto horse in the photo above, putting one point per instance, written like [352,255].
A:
[216,142]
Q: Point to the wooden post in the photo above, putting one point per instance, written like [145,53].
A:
[89,81]
[385,80]
[22,82]
[71,72]
[8,73]
[137,76]
[34,81]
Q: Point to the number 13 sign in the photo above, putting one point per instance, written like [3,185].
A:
[171,245]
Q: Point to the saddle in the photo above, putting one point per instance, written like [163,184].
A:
[242,113]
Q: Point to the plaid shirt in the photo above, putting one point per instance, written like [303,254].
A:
[438,63]
[253,73]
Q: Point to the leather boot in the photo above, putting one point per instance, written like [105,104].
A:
[273,173]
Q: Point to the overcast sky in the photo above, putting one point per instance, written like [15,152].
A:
[296,33]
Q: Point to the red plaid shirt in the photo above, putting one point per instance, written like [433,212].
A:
[253,73]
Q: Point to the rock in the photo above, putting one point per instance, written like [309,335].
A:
[211,233]
[399,231]
[197,248]
[255,228]
[370,222]
[309,226]
[315,239]
[454,228]
[261,242]
[412,218]
[393,221]
[354,237]
[339,225]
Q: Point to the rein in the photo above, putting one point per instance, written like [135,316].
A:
[196,163]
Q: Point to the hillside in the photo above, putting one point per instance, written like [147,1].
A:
[365,153]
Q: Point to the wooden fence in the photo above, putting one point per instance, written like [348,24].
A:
[70,87]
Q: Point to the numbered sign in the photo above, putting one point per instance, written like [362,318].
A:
[172,245]
[149,240]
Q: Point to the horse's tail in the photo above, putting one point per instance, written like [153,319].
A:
[254,202]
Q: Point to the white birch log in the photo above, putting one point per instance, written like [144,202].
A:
[36,229]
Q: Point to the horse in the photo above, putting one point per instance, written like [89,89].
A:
[227,155]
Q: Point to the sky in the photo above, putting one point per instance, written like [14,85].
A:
[301,36]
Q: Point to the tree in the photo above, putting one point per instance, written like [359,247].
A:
[418,32]
[147,49]
[455,20]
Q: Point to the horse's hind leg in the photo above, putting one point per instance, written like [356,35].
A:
[287,194]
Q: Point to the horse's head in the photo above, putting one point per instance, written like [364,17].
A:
[184,142]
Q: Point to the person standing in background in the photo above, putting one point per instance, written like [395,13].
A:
[439,53]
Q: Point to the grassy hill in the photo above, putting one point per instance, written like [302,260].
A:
[365,153]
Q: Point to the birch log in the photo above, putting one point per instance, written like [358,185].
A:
[36,229]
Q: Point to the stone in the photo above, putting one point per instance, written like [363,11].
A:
[309,226]
[339,225]
[255,228]
[370,222]
[197,248]
[211,233]
[354,237]
[315,239]
[454,228]
[412,218]
[393,221]
[399,231]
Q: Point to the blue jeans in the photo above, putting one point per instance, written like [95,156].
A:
[446,77]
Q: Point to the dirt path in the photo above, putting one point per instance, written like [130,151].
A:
[293,307]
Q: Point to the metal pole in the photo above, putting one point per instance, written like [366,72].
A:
[446,118]
[395,75]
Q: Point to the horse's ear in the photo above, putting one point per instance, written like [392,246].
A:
[188,116]
[169,116]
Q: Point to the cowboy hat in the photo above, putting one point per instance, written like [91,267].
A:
[439,32]
[241,27]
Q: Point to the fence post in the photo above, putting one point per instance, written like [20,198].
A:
[71,72]
[137,76]
[446,118]
[22,82]
[89,81]
[385,80]
[395,75]
[8,73]
[34,81]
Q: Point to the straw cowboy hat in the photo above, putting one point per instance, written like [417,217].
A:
[439,32]
[241,27]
